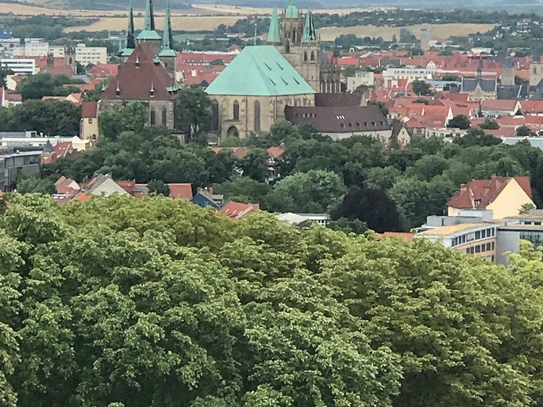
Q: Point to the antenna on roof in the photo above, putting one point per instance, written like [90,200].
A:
[255,32]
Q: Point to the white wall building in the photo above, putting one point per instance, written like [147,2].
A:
[90,55]
[20,65]
[360,78]
[32,48]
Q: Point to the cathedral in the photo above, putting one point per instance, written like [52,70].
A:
[253,91]
[295,37]
[147,72]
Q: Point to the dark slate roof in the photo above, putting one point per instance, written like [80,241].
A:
[346,119]
[507,92]
[338,99]
[470,84]
[138,75]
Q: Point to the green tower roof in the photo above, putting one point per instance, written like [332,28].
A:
[148,32]
[259,71]
[310,34]
[166,49]
[292,10]
[274,35]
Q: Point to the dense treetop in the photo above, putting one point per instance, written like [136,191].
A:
[156,302]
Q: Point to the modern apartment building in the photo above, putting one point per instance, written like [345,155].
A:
[90,55]
[20,66]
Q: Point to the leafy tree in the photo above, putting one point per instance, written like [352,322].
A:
[27,185]
[371,206]
[254,165]
[421,101]
[158,187]
[525,131]
[43,84]
[421,88]
[459,122]
[489,124]
[4,72]
[194,110]
[347,226]
[526,208]
[476,137]
[314,191]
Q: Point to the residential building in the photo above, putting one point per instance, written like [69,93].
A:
[206,198]
[479,88]
[503,195]
[29,139]
[90,55]
[361,78]
[89,121]
[32,48]
[536,70]
[495,108]
[472,232]
[304,219]
[5,33]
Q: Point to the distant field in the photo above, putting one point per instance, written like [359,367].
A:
[223,9]
[443,30]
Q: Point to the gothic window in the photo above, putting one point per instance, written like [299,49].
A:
[287,47]
[152,121]
[294,35]
[214,115]
[313,56]
[257,115]
[236,110]
[164,116]
[305,55]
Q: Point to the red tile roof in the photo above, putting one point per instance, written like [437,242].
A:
[240,152]
[104,71]
[89,110]
[181,191]
[276,152]
[137,76]
[235,210]
[485,191]
[404,235]
[494,104]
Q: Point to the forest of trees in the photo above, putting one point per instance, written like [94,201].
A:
[157,302]
[399,187]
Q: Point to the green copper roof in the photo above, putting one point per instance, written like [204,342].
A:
[127,52]
[259,71]
[274,36]
[309,28]
[292,9]
[148,35]
[166,49]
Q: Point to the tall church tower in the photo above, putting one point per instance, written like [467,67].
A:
[149,34]
[167,55]
[130,44]
[297,41]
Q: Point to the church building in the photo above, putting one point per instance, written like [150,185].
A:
[147,73]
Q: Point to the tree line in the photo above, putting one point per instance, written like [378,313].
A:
[156,302]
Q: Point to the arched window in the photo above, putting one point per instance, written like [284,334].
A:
[214,115]
[152,120]
[313,56]
[164,117]
[236,110]
[305,55]
[294,35]
[257,115]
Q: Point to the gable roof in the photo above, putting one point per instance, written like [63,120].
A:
[486,191]
[259,71]
[235,210]
[138,75]
[181,191]
[89,110]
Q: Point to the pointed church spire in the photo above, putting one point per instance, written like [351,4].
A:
[166,49]
[130,40]
[274,35]
[309,28]
[149,22]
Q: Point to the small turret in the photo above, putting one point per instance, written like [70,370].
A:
[274,35]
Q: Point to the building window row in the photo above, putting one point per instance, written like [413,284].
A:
[535,237]
[472,236]
[481,248]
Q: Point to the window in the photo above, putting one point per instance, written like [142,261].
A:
[305,55]
[153,117]
[236,110]
[312,55]
[471,250]
[492,246]
[477,249]
[214,115]
[488,247]
[477,235]
[90,120]
[477,203]
[164,116]
[257,115]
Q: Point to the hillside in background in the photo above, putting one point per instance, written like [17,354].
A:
[103,4]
